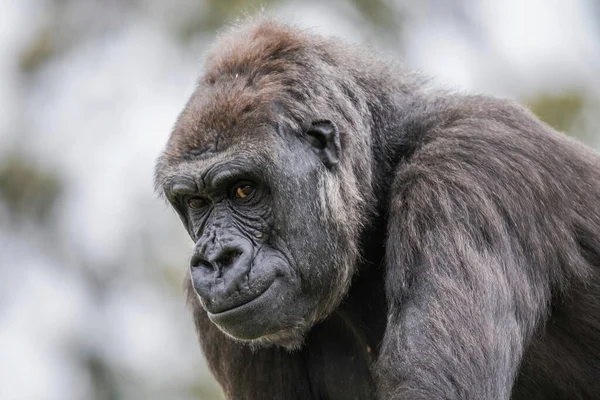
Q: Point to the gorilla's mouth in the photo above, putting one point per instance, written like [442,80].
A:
[233,305]
[252,319]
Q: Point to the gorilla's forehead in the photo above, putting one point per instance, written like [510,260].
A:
[204,171]
[214,120]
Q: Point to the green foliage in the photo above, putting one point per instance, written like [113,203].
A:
[39,51]
[206,392]
[378,12]
[27,190]
[558,110]
[218,12]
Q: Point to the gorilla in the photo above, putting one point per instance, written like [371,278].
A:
[361,235]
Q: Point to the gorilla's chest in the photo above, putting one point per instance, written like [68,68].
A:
[338,362]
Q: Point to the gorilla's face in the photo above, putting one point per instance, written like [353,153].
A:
[266,264]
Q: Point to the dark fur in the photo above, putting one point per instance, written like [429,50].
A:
[472,231]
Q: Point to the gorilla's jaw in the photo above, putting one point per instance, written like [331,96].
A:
[274,317]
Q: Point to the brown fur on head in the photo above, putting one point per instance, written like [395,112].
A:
[251,69]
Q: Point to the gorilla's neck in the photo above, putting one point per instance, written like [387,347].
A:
[339,352]
[366,305]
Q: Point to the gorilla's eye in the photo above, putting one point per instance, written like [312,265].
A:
[196,202]
[243,191]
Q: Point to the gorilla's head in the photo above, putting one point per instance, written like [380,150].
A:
[262,170]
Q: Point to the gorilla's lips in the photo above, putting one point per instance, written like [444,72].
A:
[223,302]
[253,318]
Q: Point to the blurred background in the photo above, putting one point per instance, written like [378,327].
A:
[91,261]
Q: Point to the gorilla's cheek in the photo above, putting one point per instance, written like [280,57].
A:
[278,308]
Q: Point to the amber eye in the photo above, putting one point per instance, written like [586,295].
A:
[196,202]
[243,191]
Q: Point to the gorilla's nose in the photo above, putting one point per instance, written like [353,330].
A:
[217,261]
[219,273]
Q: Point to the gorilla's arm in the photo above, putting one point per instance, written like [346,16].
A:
[476,226]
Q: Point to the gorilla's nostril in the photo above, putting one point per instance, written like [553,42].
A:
[227,258]
[216,262]
[198,262]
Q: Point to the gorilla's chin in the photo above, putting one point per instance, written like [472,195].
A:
[269,319]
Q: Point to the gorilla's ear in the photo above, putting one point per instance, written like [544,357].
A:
[325,137]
